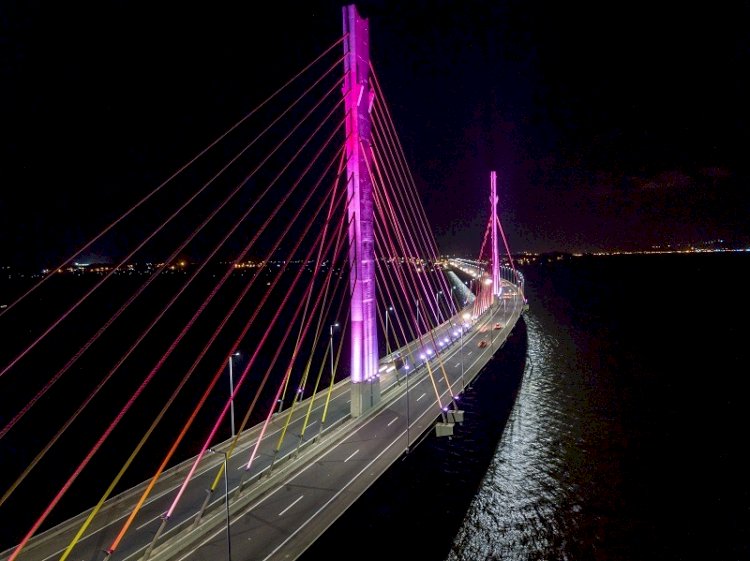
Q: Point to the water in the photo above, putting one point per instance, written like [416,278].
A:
[611,427]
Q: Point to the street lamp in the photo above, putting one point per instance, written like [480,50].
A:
[406,375]
[437,305]
[417,303]
[466,317]
[226,500]
[387,343]
[231,390]
[330,330]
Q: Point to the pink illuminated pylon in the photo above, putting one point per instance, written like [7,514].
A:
[358,99]
[496,287]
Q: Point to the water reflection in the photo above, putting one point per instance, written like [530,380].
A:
[534,490]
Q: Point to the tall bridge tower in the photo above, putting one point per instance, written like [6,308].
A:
[496,286]
[358,98]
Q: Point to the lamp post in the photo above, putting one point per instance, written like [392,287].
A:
[417,303]
[466,318]
[226,501]
[406,375]
[330,330]
[231,390]
[387,342]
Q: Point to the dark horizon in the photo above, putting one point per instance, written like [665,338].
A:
[610,129]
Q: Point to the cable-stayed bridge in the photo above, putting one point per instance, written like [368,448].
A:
[276,327]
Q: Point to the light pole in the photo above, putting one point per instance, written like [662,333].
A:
[387,343]
[406,375]
[330,330]
[226,501]
[417,303]
[231,390]
[466,318]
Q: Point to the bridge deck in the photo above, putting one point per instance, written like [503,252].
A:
[281,511]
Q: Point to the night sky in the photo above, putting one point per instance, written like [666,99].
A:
[615,125]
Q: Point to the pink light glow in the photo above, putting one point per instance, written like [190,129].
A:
[495,257]
[364,343]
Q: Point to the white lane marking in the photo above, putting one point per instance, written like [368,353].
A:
[150,500]
[209,538]
[343,488]
[291,505]
[352,455]
[421,396]
[393,421]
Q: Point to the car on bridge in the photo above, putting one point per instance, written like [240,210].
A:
[482,343]
[498,325]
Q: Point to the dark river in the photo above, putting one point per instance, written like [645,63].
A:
[612,426]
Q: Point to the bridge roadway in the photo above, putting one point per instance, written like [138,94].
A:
[282,511]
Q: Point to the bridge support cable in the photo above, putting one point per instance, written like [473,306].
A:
[317,265]
[390,297]
[174,254]
[418,245]
[394,295]
[392,263]
[387,208]
[268,220]
[410,243]
[174,175]
[153,277]
[415,280]
[395,261]
[218,373]
[322,304]
[409,251]
[321,241]
[219,329]
[398,296]
[334,369]
[222,414]
[484,242]
[341,167]
[510,256]
[268,417]
[162,225]
[319,377]
[242,255]
[415,298]
[406,199]
[139,390]
[172,301]
[400,157]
